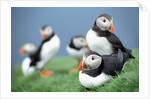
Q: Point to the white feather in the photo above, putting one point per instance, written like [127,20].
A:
[89,82]
[48,51]
[26,68]
[98,44]
[78,54]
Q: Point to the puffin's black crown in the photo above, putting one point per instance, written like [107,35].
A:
[106,15]
[91,52]
[43,27]
[78,36]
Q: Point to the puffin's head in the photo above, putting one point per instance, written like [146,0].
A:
[28,48]
[105,22]
[91,60]
[46,31]
[79,42]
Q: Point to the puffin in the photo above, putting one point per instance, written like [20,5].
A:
[30,49]
[47,50]
[77,48]
[102,39]
[95,70]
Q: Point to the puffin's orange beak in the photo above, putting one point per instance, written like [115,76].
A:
[21,51]
[87,47]
[43,36]
[112,30]
[80,66]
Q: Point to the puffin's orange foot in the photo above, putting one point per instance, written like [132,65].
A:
[46,73]
[74,69]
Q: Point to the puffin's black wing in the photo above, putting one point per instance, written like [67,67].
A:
[116,43]
[113,64]
[126,56]
[36,56]
[120,56]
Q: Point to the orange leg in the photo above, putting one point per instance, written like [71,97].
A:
[75,68]
[46,73]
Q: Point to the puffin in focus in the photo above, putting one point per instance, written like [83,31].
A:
[77,48]
[30,49]
[95,69]
[102,39]
[48,48]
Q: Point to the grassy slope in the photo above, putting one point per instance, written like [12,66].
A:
[63,81]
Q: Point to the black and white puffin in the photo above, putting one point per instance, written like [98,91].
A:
[95,69]
[30,49]
[47,50]
[77,48]
[102,39]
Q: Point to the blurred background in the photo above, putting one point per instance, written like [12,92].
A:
[67,22]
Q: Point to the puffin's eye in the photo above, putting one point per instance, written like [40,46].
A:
[81,40]
[93,58]
[104,20]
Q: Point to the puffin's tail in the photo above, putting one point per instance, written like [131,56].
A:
[129,51]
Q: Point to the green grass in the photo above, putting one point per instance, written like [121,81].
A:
[63,81]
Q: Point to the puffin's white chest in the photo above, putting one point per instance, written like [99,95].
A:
[98,44]
[26,68]
[78,54]
[89,82]
[48,51]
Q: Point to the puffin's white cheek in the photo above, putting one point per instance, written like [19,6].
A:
[93,64]
[96,64]
[107,24]
[99,23]
[46,32]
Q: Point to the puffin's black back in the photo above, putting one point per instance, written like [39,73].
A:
[126,56]
[112,65]
[115,63]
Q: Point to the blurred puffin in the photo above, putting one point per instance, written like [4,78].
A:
[102,39]
[47,50]
[76,48]
[29,49]
[95,69]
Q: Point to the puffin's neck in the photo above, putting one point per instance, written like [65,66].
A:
[72,45]
[31,55]
[47,39]
[100,32]
[95,72]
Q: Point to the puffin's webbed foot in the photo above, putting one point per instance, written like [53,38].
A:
[44,73]
[74,69]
